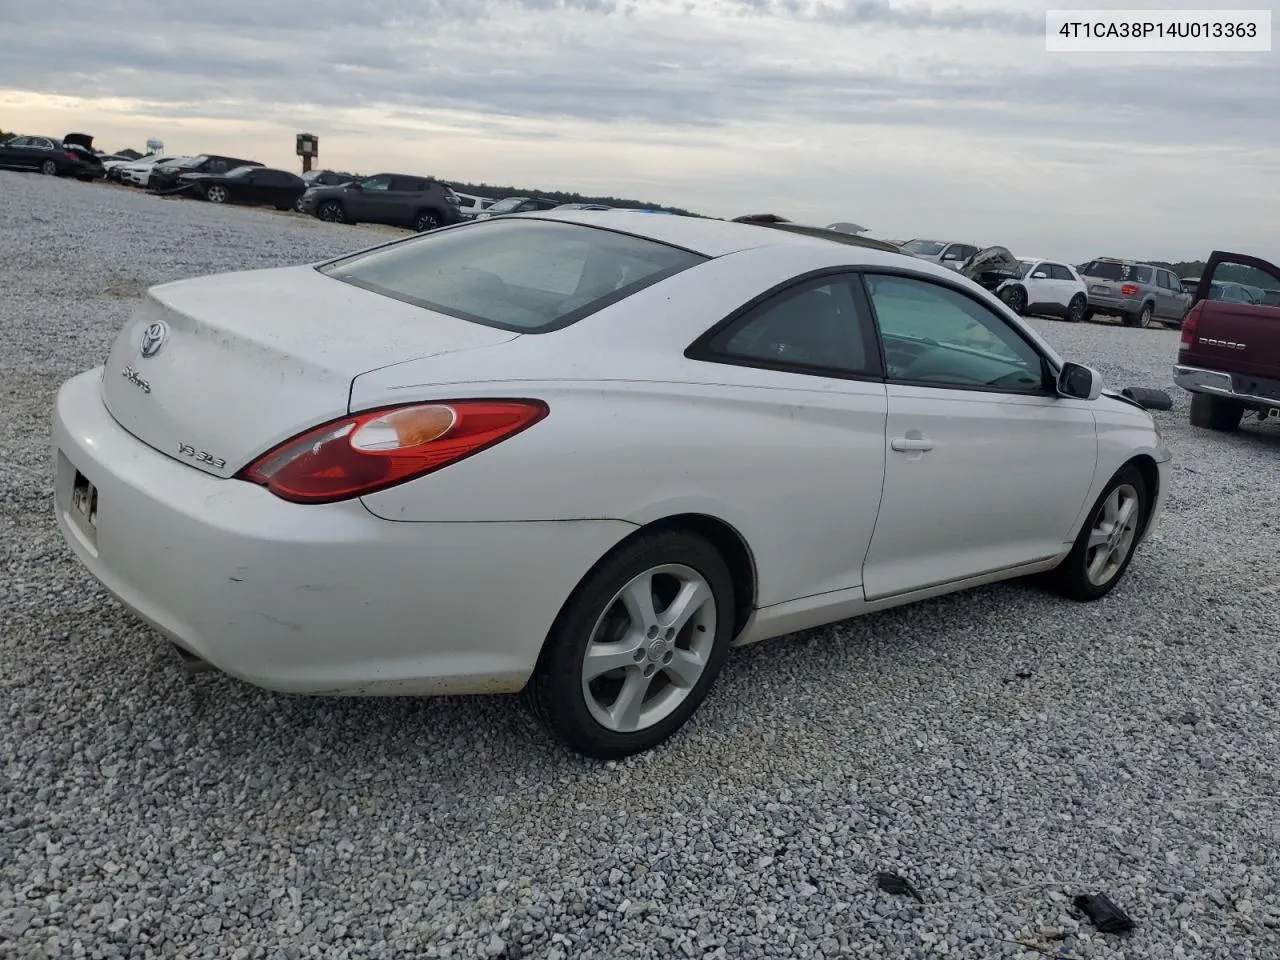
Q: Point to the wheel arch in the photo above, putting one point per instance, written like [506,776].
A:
[1145,464]
[727,541]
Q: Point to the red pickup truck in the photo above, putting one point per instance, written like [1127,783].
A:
[1229,359]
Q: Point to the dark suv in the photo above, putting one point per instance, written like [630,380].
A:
[165,176]
[396,199]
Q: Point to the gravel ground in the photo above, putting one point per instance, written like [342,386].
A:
[1003,749]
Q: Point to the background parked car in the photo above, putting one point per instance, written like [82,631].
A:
[1137,293]
[1229,358]
[395,199]
[949,253]
[138,172]
[323,178]
[469,204]
[248,185]
[70,156]
[517,205]
[1047,288]
[164,176]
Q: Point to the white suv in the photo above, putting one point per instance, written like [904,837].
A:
[1046,287]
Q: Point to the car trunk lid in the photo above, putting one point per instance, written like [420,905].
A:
[217,370]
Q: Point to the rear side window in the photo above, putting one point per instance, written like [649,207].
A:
[1059,272]
[524,275]
[816,327]
[1141,274]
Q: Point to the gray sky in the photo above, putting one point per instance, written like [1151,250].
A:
[943,119]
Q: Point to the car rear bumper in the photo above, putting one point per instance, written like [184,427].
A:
[1105,304]
[1252,390]
[311,598]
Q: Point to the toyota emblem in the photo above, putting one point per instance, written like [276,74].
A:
[153,338]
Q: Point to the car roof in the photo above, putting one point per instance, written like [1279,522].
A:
[702,235]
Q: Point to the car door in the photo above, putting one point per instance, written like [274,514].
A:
[1166,303]
[799,372]
[1065,285]
[1041,291]
[13,151]
[987,468]
[369,202]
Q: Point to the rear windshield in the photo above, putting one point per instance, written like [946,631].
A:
[1111,270]
[525,275]
[923,248]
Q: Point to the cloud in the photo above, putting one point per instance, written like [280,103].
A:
[961,95]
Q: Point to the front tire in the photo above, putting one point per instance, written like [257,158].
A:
[216,193]
[1107,541]
[1215,413]
[636,647]
[1015,299]
[331,212]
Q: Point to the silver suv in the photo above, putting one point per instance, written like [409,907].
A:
[1137,293]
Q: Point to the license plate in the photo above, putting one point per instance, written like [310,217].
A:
[1098,288]
[84,502]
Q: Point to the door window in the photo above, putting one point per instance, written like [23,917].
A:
[936,336]
[1059,272]
[815,327]
[380,182]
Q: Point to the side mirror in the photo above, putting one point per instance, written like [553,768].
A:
[1039,275]
[1079,382]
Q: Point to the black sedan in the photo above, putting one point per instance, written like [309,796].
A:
[70,156]
[251,185]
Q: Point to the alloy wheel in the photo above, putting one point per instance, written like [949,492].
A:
[649,648]
[49,168]
[1115,527]
[216,194]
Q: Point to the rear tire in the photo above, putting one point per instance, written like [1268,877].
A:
[426,220]
[1140,319]
[1107,541]
[665,661]
[1215,413]
[1077,308]
[49,168]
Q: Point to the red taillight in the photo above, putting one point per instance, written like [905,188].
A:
[1189,324]
[1128,289]
[377,449]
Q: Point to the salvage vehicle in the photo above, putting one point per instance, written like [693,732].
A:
[394,199]
[261,186]
[1229,356]
[137,173]
[1037,287]
[72,156]
[1137,293]
[165,176]
[582,455]
[949,253]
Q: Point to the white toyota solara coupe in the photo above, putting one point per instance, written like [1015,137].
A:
[581,454]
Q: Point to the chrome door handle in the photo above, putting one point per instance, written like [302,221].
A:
[911,445]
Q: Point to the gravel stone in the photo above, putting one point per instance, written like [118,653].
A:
[148,813]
